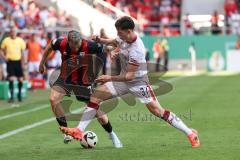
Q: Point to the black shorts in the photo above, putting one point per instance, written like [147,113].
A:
[81,92]
[14,68]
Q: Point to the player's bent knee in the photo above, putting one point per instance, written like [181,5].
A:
[102,119]
[54,98]
[155,109]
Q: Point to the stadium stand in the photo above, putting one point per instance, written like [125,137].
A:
[155,17]
[26,14]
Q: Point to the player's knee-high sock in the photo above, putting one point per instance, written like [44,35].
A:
[87,116]
[20,89]
[176,122]
[107,127]
[60,117]
[11,88]
[62,121]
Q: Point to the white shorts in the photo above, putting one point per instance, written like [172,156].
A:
[140,89]
[33,66]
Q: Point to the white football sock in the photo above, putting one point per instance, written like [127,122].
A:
[178,123]
[88,115]
[116,142]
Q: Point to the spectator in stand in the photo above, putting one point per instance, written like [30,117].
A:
[112,2]
[165,19]
[43,14]
[151,14]
[52,19]
[188,28]
[234,20]
[26,14]
[165,6]
[166,31]
[143,21]
[230,7]
[7,21]
[18,16]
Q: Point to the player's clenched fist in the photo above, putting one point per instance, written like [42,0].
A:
[42,68]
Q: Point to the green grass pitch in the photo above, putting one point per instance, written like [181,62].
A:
[211,104]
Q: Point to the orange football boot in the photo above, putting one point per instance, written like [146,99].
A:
[193,138]
[76,133]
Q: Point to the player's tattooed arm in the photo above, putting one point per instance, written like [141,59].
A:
[46,53]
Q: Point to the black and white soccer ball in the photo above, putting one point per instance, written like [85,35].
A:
[89,140]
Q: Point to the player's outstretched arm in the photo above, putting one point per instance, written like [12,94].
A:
[46,53]
[106,41]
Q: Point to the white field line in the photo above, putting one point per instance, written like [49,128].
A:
[14,106]
[16,131]
[24,112]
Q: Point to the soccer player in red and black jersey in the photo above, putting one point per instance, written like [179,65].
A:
[75,76]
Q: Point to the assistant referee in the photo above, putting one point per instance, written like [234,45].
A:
[13,48]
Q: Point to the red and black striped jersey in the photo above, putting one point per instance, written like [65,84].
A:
[76,67]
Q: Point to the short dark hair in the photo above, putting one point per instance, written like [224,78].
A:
[74,36]
[125,23]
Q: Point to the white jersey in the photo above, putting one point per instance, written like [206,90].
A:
[133,53]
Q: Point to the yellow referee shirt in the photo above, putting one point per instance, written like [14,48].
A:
[13,48]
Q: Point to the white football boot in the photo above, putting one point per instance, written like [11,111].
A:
[116,142]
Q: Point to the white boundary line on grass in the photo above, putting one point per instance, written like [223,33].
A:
[16,131]
[24,112]
[14,106]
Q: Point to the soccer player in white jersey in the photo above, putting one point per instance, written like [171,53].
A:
[132,79]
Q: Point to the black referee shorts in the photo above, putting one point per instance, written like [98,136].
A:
[81,92]
[14,68]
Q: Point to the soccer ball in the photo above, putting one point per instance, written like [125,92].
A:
[89,140]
